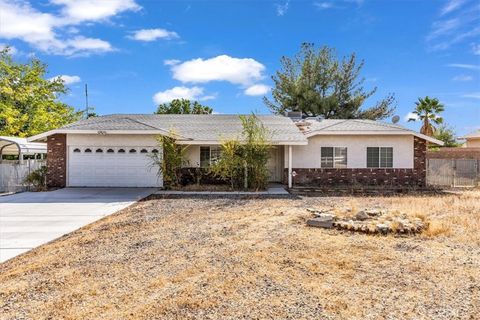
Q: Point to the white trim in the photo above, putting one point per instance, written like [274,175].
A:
[218,142]
[43,135]
[373,133]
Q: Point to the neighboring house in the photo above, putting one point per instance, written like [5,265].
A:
[472,140]
[470,150]
[113,150]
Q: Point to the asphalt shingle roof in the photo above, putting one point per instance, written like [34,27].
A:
[195,127]
[353,125]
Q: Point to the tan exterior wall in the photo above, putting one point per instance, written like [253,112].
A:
[473,143]
[309,156]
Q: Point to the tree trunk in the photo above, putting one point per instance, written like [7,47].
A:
[245,175]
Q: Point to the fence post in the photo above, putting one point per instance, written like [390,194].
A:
[454,167]
[478,174]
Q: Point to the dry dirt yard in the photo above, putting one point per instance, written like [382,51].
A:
[253,259]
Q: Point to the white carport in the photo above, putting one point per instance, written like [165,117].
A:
[20,147]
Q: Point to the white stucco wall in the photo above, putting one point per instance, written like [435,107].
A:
[309,156]
[112,140]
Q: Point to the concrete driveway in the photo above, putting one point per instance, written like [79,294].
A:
[30,219]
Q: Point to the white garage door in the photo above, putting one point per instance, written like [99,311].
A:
[112,167]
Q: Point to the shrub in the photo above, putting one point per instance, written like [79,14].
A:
[170,160]
[37,179]
[244,162]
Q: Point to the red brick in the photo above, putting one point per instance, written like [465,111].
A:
[385,177]
[57,161]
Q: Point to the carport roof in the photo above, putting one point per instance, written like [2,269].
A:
[188,128]
[14,145]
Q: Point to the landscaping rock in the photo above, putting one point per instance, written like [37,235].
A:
[362,216]
[373,212]
[324,222]
[325,215]
[367,220]
[383,228]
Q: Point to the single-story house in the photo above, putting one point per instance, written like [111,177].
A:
[112,150]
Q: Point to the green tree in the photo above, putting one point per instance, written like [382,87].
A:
[28,102]
[243,161]
[170,161]
[229,167]
[317,83]
[183,106]
[428,111]
[447,135]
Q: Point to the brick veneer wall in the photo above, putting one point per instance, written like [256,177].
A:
[415,177]
[57,160]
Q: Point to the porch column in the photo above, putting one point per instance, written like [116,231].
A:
[290,166]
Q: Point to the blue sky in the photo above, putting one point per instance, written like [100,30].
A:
[134,54]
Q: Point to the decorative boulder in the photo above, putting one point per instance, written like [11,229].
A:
[361,216]
[321,222]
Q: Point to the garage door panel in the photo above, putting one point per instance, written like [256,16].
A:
[102,169]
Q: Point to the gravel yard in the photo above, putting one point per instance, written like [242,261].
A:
[253,258]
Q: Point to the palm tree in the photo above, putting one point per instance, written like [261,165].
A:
[428,110]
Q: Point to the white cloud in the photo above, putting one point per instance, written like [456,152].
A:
[20,20]
[153,34]
[324,5]
[464,66]
[473,95]
[462,24]
[462,78]
[76,11]
[50,33]
[282,8]
[410,115]
[192,93]
[257,90]
[171,62]
[67,80]
[244,71]
[13,51]
[451,5]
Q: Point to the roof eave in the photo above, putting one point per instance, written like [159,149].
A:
[393,133]
[44,135]
[218,142]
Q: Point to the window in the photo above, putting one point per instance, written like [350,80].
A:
[110,151]
[121,151]
[99,150]
[379,157]
[132,151]
[333,157]
[143,151]
[154,151]
[88,150]
[209,155]
[76,150]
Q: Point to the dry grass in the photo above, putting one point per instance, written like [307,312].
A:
[231,259]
